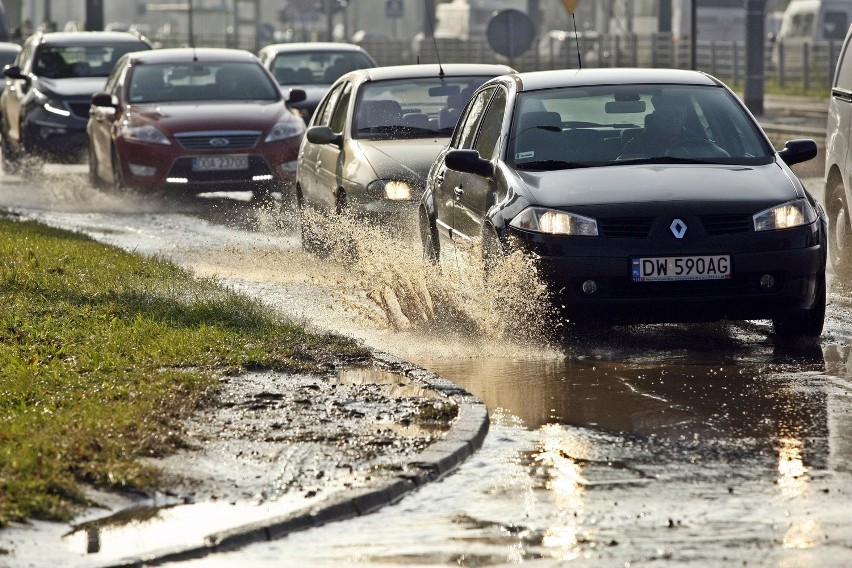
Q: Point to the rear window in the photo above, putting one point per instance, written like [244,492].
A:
[317,67]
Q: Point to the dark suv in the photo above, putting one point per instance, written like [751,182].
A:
[49,88]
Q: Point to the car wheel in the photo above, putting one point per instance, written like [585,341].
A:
[431,252]
[310,242]
[118,185]
[94,179]
[11,160]
[803,323]
[840,237]
[492,250]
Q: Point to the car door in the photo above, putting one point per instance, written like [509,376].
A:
[16,90]
[102,119]
[331,167]
[450,183]
[309,154]
[474,195]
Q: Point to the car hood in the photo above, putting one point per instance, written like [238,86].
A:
[77,87]
[748,187]
[180,117]
[408,159]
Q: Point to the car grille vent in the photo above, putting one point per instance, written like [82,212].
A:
[625,227]
[726,224]
[218,140]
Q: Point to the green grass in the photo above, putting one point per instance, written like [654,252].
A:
[103,352]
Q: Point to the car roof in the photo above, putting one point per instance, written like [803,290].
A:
[89,38]
[431,70]
[190,54]
[313,46]
[536,80]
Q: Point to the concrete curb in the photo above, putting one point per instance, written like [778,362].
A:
[466,435]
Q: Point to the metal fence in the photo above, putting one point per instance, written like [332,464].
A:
[796,65]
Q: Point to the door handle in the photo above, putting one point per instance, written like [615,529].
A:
[458,191]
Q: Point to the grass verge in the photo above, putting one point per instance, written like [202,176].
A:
[103,352]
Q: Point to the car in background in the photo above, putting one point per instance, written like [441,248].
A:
[838,184]
[49,88]
[643,195]
[312,67]
[8,53]
[376,132]
[193,120]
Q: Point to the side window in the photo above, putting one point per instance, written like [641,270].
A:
[113,84]
[491,126]
[469,122]
[323,114]
[338,118]
[844,71]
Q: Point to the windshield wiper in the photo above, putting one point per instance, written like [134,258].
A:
[664,160]
[552,165]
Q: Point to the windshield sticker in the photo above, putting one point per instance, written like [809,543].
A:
[523,155]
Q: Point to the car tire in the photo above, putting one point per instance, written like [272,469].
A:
[431,251]
[94,179]
[803,324]
[493,250]
[310,242]
[840,236]
[118,185]
[11,160]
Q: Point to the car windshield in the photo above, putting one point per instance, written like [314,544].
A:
[317,67]
[70,61]
[412,108]
[201,81]
[622,124]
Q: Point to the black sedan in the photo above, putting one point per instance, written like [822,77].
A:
[645,196]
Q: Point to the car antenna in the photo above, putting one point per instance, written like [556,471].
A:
[577,40]
[435,43]
[191,32]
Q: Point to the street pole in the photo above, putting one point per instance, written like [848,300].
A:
[693,35]
[755,38]
[94,15]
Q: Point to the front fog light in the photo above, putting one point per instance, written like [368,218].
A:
[140,170]
[589,287]
[767,282]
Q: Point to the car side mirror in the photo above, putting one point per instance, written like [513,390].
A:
[798,151]
[14,72]
[323,135]
[102,100]
[296,96]
[469,162]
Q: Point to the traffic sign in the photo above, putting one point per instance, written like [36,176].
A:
[571,5]
[510,32]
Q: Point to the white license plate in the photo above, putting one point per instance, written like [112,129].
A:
[219,163]
[662,268]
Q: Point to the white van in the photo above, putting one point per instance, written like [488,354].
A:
[816,20]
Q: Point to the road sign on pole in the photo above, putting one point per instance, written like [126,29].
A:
[570,5]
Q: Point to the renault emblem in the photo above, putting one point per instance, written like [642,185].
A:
[678,228]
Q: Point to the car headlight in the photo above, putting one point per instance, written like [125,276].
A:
[288,129]
[554,222]
[145,133]
[393,189]
[785,216]
[50,103]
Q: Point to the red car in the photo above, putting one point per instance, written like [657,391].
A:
[191,121]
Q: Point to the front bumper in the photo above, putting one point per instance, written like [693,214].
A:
[59,138]
[795,259]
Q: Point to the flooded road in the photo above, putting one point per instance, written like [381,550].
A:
[704,445]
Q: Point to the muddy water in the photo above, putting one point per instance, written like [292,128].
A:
[682,445]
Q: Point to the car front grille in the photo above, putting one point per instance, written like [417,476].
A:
[625,227]
[726,224]
[222,140]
